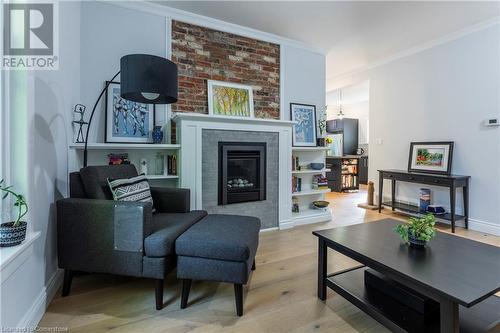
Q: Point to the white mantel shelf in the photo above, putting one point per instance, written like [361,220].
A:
[235,120]
[124,146]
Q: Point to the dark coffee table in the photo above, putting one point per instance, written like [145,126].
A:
[461,274]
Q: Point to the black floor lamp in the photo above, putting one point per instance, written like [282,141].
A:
[144,79]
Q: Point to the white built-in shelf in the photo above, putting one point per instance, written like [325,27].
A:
[125,146]
[162,176]
[311,212]
[310,171]
[310,192]
[309,148]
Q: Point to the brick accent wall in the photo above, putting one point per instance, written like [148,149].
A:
[203,54]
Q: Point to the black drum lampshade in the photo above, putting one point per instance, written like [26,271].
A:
[148,79]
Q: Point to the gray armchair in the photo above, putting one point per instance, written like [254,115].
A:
[98,235]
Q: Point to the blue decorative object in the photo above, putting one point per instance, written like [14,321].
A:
[316,166]
[437,210]
[425,199]
[157,134]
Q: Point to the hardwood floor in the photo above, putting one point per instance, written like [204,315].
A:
[280,295]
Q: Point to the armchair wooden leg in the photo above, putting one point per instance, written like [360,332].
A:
[253,265]
[159,293]
[238,295]
[68,278]
[186,286]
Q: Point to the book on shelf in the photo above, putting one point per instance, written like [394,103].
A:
[349,181]
[320,182]
[118,158]
[171,161]
[296,184]
[350,169]
[295,163]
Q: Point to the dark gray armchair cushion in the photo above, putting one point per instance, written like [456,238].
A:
[166,228]
[95,179]
[171,200]
[225,237]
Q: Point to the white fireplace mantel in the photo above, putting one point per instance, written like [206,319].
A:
[189,133]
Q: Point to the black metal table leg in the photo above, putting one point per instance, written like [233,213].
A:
[466,203]
[452,206]
[449,319]
[322,263]
[380,187]
[393,194]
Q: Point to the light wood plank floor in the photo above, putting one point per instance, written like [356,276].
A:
[280,295]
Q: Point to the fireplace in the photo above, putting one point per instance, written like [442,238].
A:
[242,172]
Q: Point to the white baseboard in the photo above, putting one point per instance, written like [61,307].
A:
[486,227]
[269,229]
[286,225]
[36,311]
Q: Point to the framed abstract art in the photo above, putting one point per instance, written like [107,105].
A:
[304,129]
[431,157]
[230,99]
[127,121]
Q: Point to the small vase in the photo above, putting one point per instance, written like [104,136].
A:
[416,243]
[321,142]
[11,236]
[157,135]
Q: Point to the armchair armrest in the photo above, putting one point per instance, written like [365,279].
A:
[171,200]
[102,236]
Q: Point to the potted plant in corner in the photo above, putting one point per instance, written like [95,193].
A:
[418,231]
[14,232]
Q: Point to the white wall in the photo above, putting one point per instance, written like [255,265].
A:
[303,79]
[50,96]
[109,32]
[442,93]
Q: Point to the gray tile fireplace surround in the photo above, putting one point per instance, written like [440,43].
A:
[266,210]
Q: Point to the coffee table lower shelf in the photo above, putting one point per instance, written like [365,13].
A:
[350,285]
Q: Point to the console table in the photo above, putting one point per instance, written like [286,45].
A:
[452,182]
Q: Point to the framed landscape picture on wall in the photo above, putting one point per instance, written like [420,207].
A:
[230,99]
[431,157]
[304,130]
[127,121]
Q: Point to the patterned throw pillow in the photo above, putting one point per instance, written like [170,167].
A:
[131,189]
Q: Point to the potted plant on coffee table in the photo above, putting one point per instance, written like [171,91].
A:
[418,231]
[14,232]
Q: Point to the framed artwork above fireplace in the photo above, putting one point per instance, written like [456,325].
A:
[230,99]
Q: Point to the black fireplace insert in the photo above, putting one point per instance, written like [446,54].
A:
[242,172]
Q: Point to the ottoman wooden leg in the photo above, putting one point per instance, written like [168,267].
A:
[68,277]
[159,293]
[253,265]
[186,286]
[238,294]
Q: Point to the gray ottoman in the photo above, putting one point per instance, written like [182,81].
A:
[218,248]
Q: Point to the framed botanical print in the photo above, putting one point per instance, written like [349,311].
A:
[230,99]
[304,129]
[127,121]
[431,157]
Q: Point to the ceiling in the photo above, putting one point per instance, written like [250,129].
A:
[352,34]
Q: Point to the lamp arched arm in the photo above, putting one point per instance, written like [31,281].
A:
[92,115]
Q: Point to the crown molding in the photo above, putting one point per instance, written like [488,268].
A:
[420,48]
[212,23]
